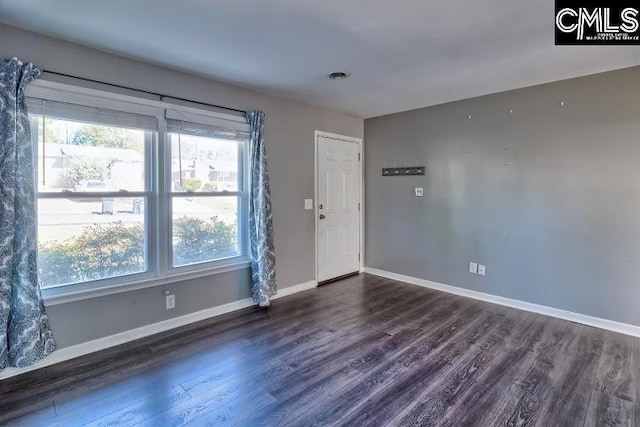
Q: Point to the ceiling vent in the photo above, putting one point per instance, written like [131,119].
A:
[339,75]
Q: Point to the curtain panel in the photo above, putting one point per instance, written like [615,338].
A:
[25,335]
[263,260]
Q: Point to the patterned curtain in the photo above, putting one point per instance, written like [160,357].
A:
[263,259]
[25,336]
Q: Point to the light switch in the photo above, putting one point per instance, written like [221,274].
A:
[308,204]
[419,192]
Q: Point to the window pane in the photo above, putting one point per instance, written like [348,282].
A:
[85,239]
[203,164]
[81,157]
[204,229]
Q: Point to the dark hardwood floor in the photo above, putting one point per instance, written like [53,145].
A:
[364,351]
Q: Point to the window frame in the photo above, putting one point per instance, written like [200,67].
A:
[158,210]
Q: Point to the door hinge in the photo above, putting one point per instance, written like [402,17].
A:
[358,257]
[358,156]
[358,207]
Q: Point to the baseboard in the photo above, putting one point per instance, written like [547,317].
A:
[88,347]
[295,289]
[584,319]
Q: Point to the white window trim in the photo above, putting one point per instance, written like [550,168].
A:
[160,272]
[63,92]
[60,295]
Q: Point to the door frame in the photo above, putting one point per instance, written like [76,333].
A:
[360,142]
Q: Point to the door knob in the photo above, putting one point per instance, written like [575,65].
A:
[322,216]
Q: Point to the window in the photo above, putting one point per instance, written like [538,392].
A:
[122,199]
[207,185]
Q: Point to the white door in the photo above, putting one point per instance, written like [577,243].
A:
[338,207]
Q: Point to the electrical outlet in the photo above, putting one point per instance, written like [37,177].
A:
[482,269]
[419,192]
[473,267]
[171,301]
[308,204]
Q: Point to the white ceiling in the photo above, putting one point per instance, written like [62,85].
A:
[402,54]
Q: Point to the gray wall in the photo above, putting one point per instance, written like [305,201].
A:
[289,131]
[548,197]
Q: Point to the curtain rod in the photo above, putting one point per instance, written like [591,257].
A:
[143,91]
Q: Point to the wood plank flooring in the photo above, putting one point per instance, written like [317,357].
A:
[363,351]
